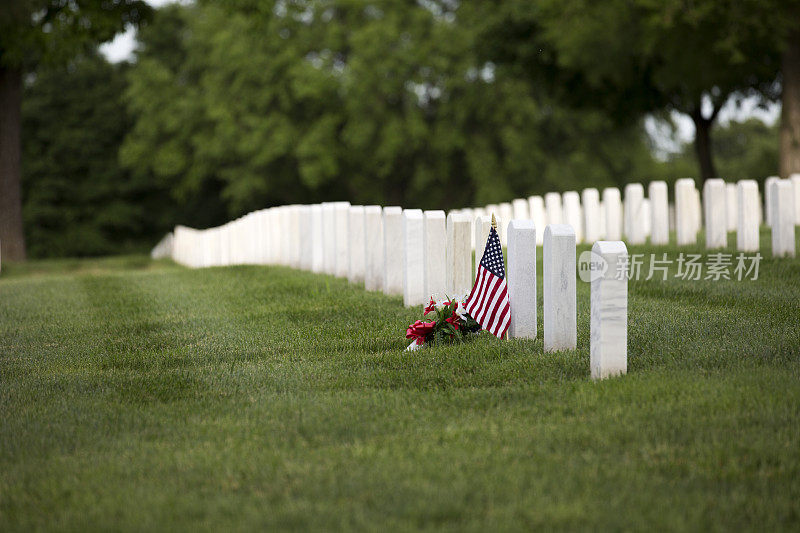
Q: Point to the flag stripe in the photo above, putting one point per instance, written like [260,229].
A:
[498,314]
[479,285]
[487,287]
[494,310]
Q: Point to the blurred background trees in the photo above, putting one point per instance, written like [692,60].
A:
[236,106]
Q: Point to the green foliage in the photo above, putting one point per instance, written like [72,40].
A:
[54,31]
[76,198]
[744,150]
[254,398]
[386,103]
[627,58]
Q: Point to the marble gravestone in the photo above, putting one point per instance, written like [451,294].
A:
[434,241]
[634,226]
[612,201]
[768,192]
[558,285]
[538,214]
[591,215]
[342,232]
[393,251]
[522,279]
[714,210]
[747,237]
[731,210]
[609,303]
[317,244]
[459,255]
[306,241]
[356,246]
[521,211]
[506,214]
[552,208]
[328,238]
[373,248]
[647,221]
[602,220]
[659,212]
[795,179]
[413,258]
[782,212]
[685,217]
[482,225]
[572,213]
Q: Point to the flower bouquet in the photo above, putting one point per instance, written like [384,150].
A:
[452,323]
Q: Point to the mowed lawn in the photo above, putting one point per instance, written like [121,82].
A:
[139,395]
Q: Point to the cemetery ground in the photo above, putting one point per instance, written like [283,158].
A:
[142,395]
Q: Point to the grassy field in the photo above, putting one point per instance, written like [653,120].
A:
[139,395]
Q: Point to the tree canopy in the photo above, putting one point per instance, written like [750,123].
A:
[633,57]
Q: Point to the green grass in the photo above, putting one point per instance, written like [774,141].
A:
[138,395]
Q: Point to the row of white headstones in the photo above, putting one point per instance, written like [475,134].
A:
[427,254]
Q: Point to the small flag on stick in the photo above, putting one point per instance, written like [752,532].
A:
[488,303]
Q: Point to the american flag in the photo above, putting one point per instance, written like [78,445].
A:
[488,302]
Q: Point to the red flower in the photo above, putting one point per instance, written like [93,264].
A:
[431,307]
[419,330]
[454,320]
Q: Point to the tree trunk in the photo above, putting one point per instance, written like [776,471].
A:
[790,112]
[12,240]
[702,143]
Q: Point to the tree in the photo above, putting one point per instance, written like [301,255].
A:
[384,102]
[78,201]
[629,58]
[32,32]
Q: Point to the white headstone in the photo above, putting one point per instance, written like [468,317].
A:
[306,238]
[795,179]
[782,219]
[602,219]
[342,215]
[647,221]
[659,212]
[685,217]
[552,207]
[613,209]
[521,211]
[328,238]
[317,243]
[522,278]
[356,245]
[373,248]
[698,211]
[482,225]
[393,246]
[609,303]
[434,240]
[538,215]
[591,214]
[413,258]
[731,209]
[634,217]
[715,214]
[768,198]
[558,284]
[264,220]
[294,236]
[506,214]
[459,254]
[747,237]
[573,214]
